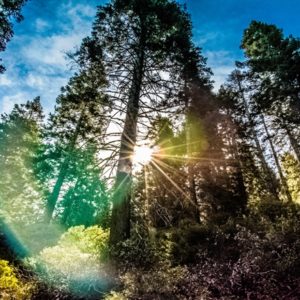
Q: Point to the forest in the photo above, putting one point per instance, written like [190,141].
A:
[145,182]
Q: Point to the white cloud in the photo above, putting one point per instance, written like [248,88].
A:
[8,102]
[222,64]
[80,10]
[5,81]
[38,64]
[221,74]
[52,50]
[35,81]
[205,36]
[41,25]
[219,57]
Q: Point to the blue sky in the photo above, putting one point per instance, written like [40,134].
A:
[35,59]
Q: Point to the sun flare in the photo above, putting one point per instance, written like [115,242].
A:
[143,154]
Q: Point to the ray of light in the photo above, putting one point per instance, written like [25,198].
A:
[154,162]
[185,158]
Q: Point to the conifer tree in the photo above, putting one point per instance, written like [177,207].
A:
[9,10]
[20,140]
[79,118]
[86,202]
[292,169]
[236,97]
[275,62]
[140,39]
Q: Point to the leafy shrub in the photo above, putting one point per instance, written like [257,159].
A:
[11,286]
[139,250]
[115,296]
[75,265]
[159,282]
[92,240]
[188,239]
[247,258]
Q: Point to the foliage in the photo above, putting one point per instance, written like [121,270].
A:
[85,203]
[75,264]
[9,9]
[254,258]
[11,286]
[214,214]
[73,135]
[292,169]
[20,140]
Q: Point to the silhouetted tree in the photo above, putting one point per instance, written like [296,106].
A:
[9,10]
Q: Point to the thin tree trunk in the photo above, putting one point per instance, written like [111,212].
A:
[51,202]
[54,196]
[120,219]
[272,186]
[189,150]
[190,166]
[281,175]
[238,163]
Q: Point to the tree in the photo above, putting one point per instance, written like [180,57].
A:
[194,94]
[79,118]
[20,140]
[86,202]
[164,191]
[235,97]
[275,62]
[140,40]
[9,9]
[292,170]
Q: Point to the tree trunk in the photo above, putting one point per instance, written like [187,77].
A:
[240,187]
[190,166]
[51,202]
[54,196]
[271,185]
[189,151]
[120,219]
[281,175]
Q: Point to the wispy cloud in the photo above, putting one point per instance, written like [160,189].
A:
[8,102]
[51,50]
[5,81]
[222,63]
[36,60]
[41,25]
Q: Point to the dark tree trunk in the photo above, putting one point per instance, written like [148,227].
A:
[240,187]
[120,219]
[190,164]
[68,207]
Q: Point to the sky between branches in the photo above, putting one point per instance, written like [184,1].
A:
[35,58]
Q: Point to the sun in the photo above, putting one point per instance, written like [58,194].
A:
[143,155]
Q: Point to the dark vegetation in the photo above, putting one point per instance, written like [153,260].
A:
[214,211]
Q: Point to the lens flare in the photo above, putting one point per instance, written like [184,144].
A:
[143,155]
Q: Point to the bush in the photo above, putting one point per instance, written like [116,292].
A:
[76,264]
[246,258]
[11,286]
[159,282]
